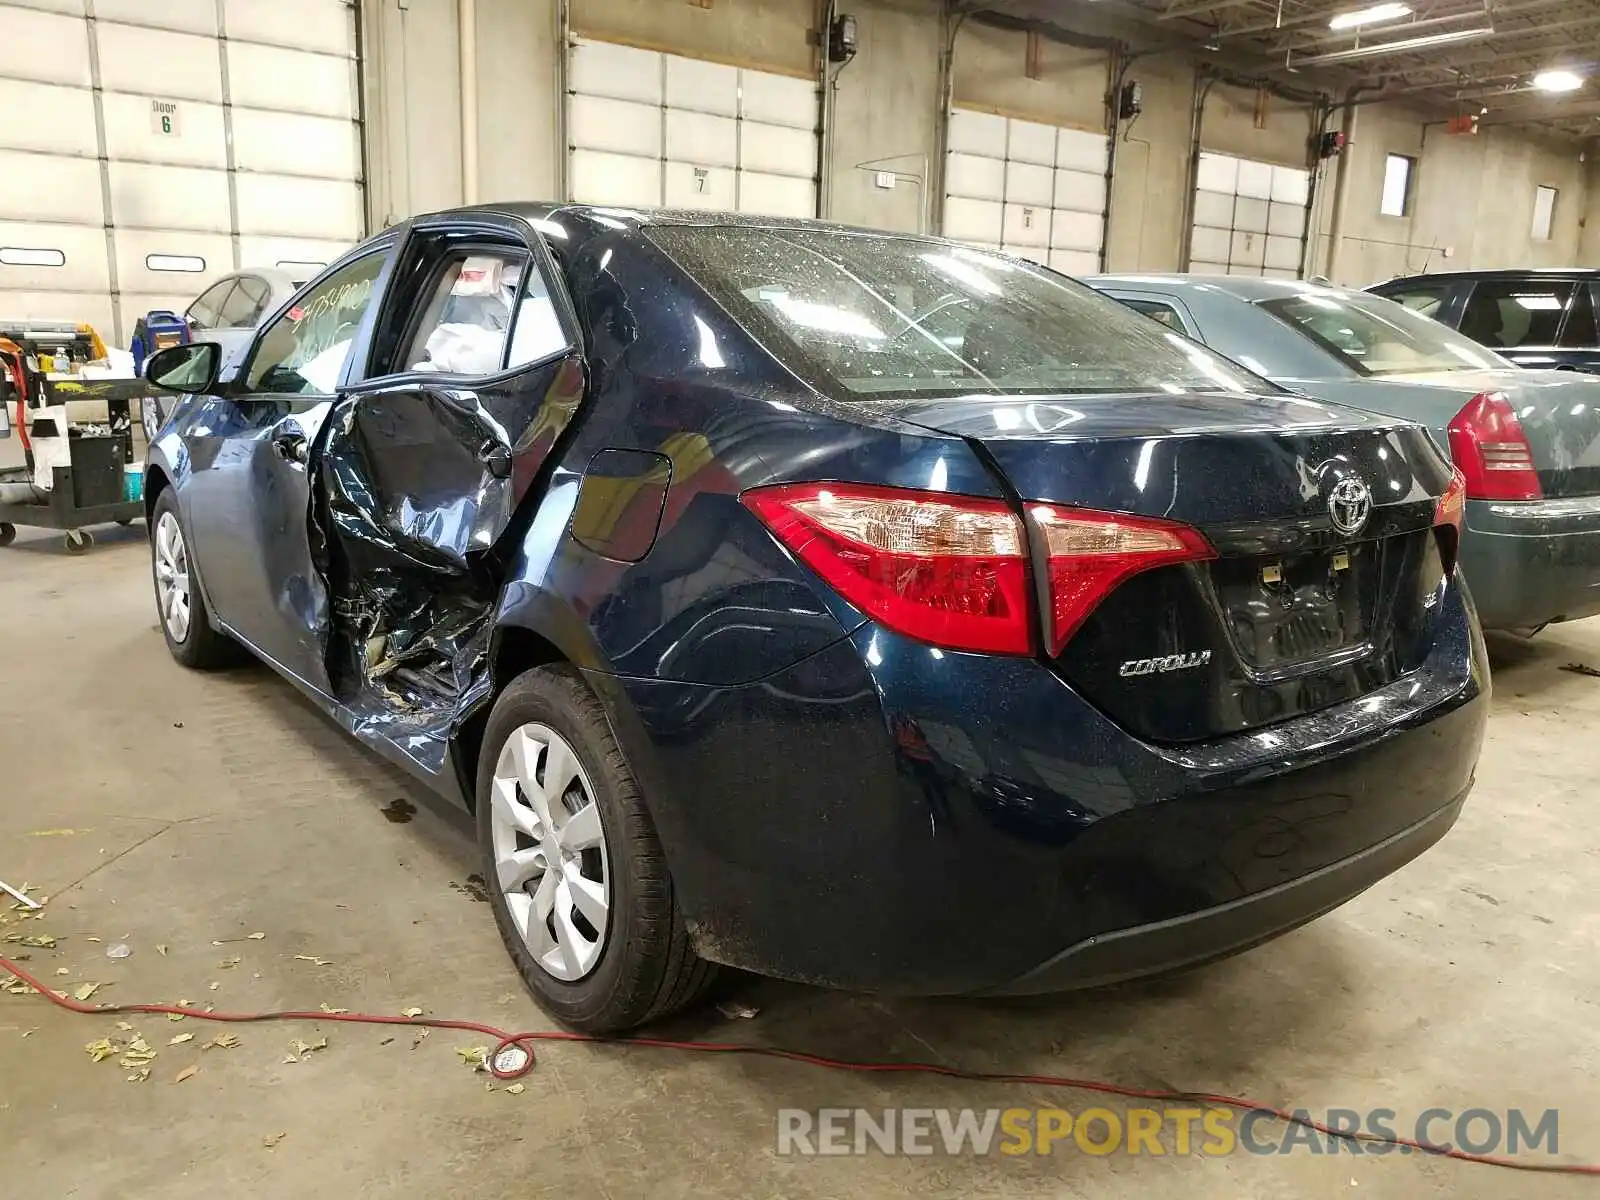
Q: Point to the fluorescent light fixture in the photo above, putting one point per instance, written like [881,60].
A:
[1557,81]
[1403,46]
[1369,16]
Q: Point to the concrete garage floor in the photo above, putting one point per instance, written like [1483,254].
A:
[161,807]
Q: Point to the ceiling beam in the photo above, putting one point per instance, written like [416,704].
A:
[1196,8]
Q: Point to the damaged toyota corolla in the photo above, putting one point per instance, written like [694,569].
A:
[854,608]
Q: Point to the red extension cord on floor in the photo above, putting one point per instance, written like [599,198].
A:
[524,1042]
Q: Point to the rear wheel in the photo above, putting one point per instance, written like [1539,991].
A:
[8,533]
[577,879]
[185,620]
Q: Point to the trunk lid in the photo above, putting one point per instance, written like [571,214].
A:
[1295,613]
[1559,412]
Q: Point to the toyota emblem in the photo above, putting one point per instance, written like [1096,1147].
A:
[1349,505]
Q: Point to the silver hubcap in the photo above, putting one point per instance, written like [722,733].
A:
[550,851]
[172,577]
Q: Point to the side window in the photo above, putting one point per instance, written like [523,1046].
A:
[238,310]
[1423,300]
[255,291]
[466,320]
[1158,311]
[203,312]
[1508,313]
[304,351]
[1579,333]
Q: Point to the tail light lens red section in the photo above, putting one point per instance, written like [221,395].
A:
[952,571]
[948,570]
[1492,452]
[1091,553]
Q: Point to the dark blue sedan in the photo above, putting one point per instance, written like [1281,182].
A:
[850,607]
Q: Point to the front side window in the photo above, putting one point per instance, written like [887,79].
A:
[871,316]
[304,351]
[1511,313]
[1374,336]
[203,312]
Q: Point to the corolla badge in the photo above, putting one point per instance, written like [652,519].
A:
[1349,505]
[1160,666]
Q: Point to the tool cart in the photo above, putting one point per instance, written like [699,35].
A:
[76,431]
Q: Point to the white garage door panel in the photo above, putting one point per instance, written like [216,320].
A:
[778,100]
[55,119]
[1213,209]
[316,208]
[1218,173]
[83,269]
[44,46]
[1051,184]
[307,24]
[202,140]
[1030,183]
[777,195]
[1247,249]
[1286,220]
[1210,245]
[622,127]
[973,220]
[45,187]
[977,133]
[703,87]
[601,69]
[778,150]
[93,308]
[1076,231]
[137,249]
[190,16]
[695,137]
[1290,186]
[190,67]
[1283,253]
[700,187]
[616,179]
[151,197]
[1255,179]
[174,302]
[75,7]
[977,176]
[1248,216]
[1074,262]
[294,144]
[1198,267]
[289,253]
[270,77]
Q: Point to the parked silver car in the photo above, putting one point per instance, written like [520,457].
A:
[1527,441]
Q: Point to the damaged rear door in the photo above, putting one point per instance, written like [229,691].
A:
[474,372]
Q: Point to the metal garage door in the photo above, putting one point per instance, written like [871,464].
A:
[1036,191]
[1249,218]
[146,147]
[650,129]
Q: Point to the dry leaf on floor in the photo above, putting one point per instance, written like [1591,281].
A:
[735,1011]
[84,991]
[214,986]
[40,941]
[306,1048]
[16,987]
[185,1073]
[137,1058]
[311,958]
[475,1057]
[140,1076]
[228,964]
[125,1027]
[272,1139]
[174,1016]
[421,1035]
[516,1089]
[101,1050]
[333,1011]
[91,939]
[289,1058]
[223,1041]
[28,1033]
[180,1039]
[256,937]
[410,1012]
[161,950]
[63,971]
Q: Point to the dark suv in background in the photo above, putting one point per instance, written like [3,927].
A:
[1536,318]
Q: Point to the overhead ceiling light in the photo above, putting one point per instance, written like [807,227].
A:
[1403,46]
[1368,16]
[1557,81]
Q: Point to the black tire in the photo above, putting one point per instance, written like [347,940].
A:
[204,647]
[647,967]
[125,522]
[8,533]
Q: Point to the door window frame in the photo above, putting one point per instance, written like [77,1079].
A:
[1532,280]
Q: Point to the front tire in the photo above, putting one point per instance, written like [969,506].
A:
[181,609]
[576,875]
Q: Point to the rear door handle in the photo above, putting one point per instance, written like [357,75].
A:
[291,446]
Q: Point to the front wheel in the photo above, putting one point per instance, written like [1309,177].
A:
[577,878]
[185,620]
[8,533]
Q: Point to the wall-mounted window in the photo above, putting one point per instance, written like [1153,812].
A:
[1544,212]
[23,256]
[189,263]
[1397,172]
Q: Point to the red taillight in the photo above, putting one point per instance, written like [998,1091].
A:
[1492,452]
[1091,553]
[948,570]
[1450,518]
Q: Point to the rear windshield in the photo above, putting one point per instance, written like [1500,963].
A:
[877,317]
[1374,336]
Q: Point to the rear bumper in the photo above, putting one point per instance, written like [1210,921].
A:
[1532,562]
[883,817]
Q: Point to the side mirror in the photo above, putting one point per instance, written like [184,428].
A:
[187,370]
